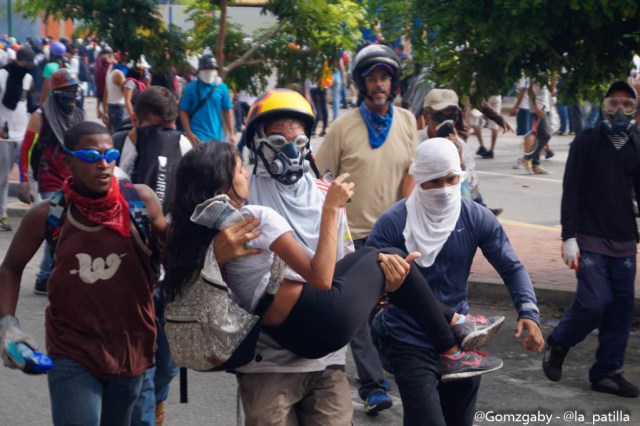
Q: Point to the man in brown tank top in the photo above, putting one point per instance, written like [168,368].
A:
[99,324]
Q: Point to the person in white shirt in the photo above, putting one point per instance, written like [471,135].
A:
[16,86]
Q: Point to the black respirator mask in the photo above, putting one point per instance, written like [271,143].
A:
[618,114]
[287,163]
[67,98]
[619,122]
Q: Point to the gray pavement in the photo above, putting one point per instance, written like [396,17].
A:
[531,219]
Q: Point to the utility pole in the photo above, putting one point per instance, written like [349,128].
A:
[9,23]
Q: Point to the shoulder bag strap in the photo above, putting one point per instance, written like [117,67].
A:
[202,101]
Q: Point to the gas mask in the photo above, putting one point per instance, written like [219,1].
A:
[619,122]
[618,115]
[208,76]
[67,98]
[284,160]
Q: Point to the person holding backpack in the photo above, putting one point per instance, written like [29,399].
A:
[599,241]
[132,87]
[205,106]
[42,149]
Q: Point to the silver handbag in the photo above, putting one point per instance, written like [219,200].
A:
[206,329]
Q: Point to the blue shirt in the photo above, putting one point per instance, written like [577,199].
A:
[206,123]
[449,274]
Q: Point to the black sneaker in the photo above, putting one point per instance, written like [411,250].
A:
[549,154]
[552,362]
[467,364]
[476,331]
[614,383]
[482,150]
[487,155]
[40,287]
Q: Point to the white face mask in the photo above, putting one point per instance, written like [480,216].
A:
[438,202]
[208,76]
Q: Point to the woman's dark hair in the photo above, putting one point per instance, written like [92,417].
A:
[204,172]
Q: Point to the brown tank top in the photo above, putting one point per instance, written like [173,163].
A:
[100,311]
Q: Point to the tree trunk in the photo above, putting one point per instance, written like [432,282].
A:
[221,34]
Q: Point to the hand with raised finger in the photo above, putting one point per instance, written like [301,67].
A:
[395,270]
[230,243]
[340,192]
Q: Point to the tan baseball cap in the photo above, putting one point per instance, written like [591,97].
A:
[439,99]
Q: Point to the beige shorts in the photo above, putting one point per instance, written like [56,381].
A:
[476,118]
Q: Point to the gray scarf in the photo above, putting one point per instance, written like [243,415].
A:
[58,121]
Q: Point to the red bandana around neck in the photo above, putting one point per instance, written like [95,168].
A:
[111,210]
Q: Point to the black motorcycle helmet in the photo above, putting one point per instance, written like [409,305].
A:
[373,55]
[207,61]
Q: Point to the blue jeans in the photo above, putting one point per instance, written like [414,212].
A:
[566,124]
[336,92]
[155,387]
[425,400]
[46,264]
[604,300]
[80,398]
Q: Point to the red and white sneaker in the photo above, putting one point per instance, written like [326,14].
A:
[467,364]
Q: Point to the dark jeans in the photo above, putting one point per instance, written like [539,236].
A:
[365,355]
[523,120]
[425,400]
[319,98]
[116,115]
[604,300]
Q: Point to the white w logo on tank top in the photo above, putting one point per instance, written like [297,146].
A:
[91,271]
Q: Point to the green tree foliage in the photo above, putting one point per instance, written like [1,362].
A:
[481,46]
[307,33]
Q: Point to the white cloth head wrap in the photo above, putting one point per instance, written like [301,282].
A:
[432,214]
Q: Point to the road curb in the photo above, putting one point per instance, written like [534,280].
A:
[491,291]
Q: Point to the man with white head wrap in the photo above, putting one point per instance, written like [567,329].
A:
[447,230]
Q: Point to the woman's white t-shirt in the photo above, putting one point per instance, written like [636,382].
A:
[248,277]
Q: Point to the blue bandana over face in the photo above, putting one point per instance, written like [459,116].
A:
[378,126]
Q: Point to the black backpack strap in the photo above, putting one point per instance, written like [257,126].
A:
[202,101]
[57,211]
[138,212]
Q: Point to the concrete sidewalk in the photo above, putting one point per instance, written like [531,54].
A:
[538,248]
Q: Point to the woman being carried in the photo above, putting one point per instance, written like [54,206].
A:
[320,303]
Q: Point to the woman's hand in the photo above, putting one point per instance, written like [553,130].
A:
[229,244]
[340,192]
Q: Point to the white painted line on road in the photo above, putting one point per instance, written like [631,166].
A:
[529,225]
[538,178]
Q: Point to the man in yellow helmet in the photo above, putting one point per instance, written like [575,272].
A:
[313,391]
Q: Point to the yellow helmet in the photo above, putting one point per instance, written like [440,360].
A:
[274,104]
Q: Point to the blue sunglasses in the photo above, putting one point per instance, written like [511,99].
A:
[93,155]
